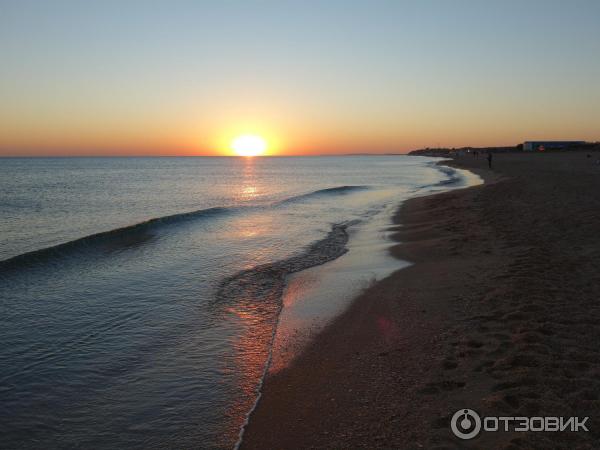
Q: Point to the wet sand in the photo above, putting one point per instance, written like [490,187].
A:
[500,313]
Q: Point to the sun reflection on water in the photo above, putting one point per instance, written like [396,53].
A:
[252,346]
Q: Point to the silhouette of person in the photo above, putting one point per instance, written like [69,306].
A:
[489,158]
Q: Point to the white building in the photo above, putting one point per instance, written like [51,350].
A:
[531,146]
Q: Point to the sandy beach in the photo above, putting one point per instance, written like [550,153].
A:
[499,314]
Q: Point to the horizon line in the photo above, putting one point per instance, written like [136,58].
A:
[209,156]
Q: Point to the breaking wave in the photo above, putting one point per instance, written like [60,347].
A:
[453,175]
[267,281]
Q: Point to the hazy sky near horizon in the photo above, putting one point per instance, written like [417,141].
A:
[184,77]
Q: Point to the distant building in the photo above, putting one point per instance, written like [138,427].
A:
[531,146]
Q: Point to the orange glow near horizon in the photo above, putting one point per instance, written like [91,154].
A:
[285,131]
[286,135]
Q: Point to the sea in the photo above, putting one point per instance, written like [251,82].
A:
[144,300]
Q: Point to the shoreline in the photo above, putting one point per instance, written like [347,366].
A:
[451,331]
[397,253]
[278,360]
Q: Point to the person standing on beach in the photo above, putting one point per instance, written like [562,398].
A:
[489,158]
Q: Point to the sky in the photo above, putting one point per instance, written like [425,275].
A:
[311,77]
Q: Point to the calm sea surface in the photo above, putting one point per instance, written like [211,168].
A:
[139,297]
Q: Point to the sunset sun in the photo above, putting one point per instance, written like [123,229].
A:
[249,145]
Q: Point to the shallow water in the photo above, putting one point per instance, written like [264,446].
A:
[157,334]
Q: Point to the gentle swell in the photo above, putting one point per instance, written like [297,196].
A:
[119,238]
[339,190]
[137,234]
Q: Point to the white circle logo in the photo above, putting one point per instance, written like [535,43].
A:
[465,424]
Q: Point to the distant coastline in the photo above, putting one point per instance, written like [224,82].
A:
[452,151]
